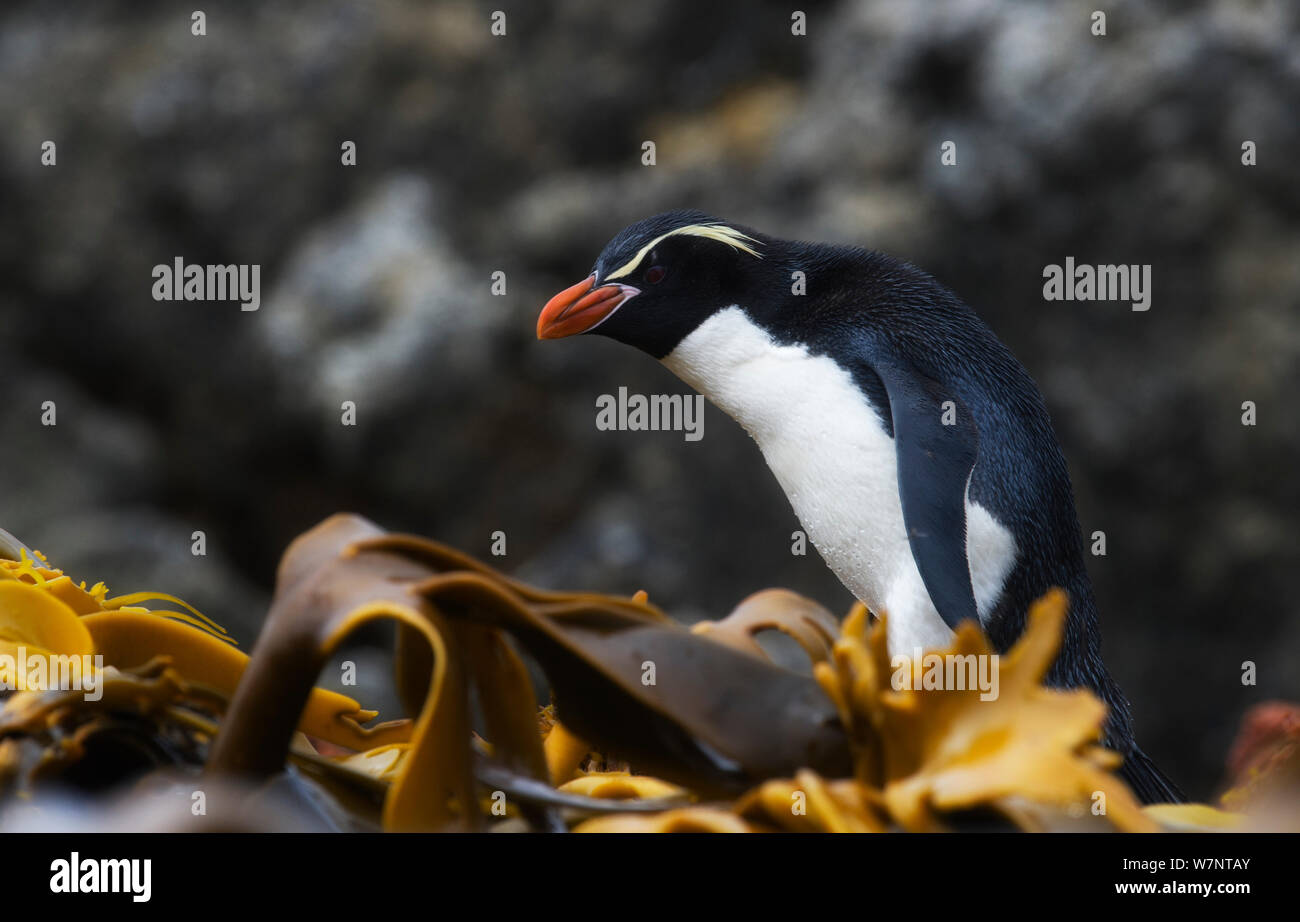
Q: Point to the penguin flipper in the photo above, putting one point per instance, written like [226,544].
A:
[936,444]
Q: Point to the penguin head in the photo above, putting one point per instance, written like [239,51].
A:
[658,280]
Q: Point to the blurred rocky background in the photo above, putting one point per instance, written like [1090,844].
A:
[522,154]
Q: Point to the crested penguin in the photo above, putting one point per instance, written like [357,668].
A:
[915,449]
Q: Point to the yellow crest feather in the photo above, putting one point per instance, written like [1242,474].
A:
[719,232]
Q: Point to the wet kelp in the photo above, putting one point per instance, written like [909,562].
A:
[651,726]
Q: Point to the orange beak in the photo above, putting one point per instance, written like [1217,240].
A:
[580,308]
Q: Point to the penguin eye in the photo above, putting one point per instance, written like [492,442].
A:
[655,274]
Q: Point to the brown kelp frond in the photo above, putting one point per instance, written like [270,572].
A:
[327,588]
[439,558]
[809,624]
[671,702]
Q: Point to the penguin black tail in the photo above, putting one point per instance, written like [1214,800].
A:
[1149,783]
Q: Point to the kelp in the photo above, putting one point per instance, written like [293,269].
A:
[650,726]
[325,589]
[798,617]
[142,719]
[657,695]
[43,612]
[930,751]
[722,719]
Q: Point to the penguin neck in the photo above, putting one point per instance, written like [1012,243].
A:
[712,359]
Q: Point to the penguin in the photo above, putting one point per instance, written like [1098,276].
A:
[915,450]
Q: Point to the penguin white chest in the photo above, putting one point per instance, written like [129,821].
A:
[831,454]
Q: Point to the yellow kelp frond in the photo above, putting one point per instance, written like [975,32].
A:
[95,599]
[1195,818]
[37,627]
[26,568]
[809,803]
[683,819]
[383,762]
[945,749]
[621,786]
[564,753]
[29,615]
[191,615]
